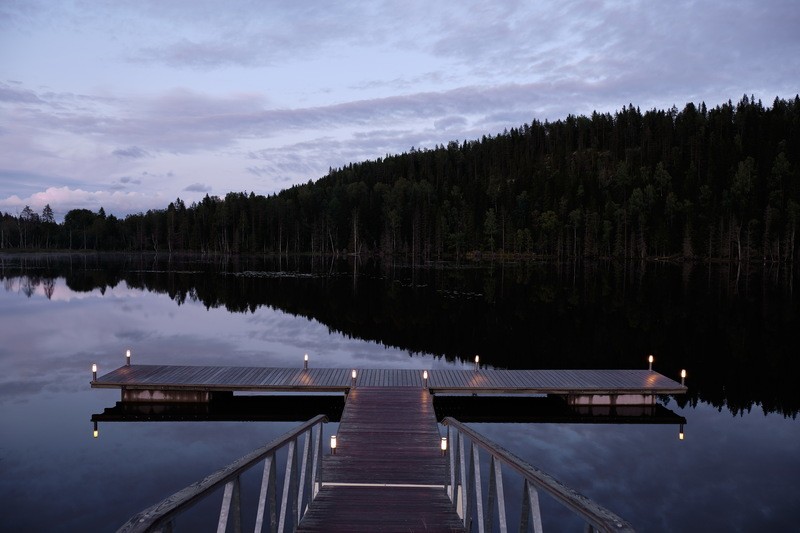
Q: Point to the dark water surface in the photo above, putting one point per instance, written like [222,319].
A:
[735,332]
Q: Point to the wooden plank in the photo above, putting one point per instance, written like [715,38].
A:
[387,435]
[166,377]
[388,438]
[252,376]
[328,377]
[370,509]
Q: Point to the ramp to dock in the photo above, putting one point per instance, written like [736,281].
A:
[388,473]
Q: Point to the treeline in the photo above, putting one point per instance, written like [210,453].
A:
[716,184]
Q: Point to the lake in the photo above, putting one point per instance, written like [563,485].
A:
[734,330]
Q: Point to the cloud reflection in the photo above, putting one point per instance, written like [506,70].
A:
[729,474]
[658,483]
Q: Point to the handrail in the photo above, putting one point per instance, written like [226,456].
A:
[161,515]
[597,517]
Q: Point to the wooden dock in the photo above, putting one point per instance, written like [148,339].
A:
[388,473]
[165,383]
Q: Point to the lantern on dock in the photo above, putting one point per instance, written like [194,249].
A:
[94,371]
[128,357]
[477,362]
[650,361]
[683,377]
[333,444]
[443,445]
[353,376]
[305,362]
[425,378]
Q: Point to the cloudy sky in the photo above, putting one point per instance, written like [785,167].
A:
[131,104]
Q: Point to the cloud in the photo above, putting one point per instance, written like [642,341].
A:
[205,55]
[133,152]
[208,90]
[211,38]
[197,187]
[447,123]
[64,199]
[20,96]
[260,171]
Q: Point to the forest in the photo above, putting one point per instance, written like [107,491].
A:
[719,184]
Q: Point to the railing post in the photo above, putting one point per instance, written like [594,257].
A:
[289,485]
[496,496]
[475,484]
[267,497]
[464,481]
[315,473]
[452,448]
[304,486]
[230,504]
[491,496]
[531,513]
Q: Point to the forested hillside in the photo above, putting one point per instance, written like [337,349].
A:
[721,183]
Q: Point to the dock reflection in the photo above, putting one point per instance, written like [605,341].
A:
[297,408]
[272,408]
[548,410]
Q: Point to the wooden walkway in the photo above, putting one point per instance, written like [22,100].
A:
[228,378]
[388,473]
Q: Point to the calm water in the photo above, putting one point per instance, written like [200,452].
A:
[736,333]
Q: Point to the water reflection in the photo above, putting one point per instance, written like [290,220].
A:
[260,408]
[489,411]
[714,480]
[730,473]
[299,408]
[735,331]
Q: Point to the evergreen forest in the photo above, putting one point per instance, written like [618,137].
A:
[717,184]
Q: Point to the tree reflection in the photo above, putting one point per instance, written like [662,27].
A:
[735,331]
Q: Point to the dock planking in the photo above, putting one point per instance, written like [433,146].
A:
[487,381]
[391,432]
[367,509]
[388,473]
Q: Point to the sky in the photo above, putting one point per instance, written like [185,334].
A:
[128,105]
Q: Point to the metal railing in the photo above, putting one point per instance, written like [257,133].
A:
[299,487]
[465,488]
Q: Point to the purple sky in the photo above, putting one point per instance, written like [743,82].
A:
[129,105]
